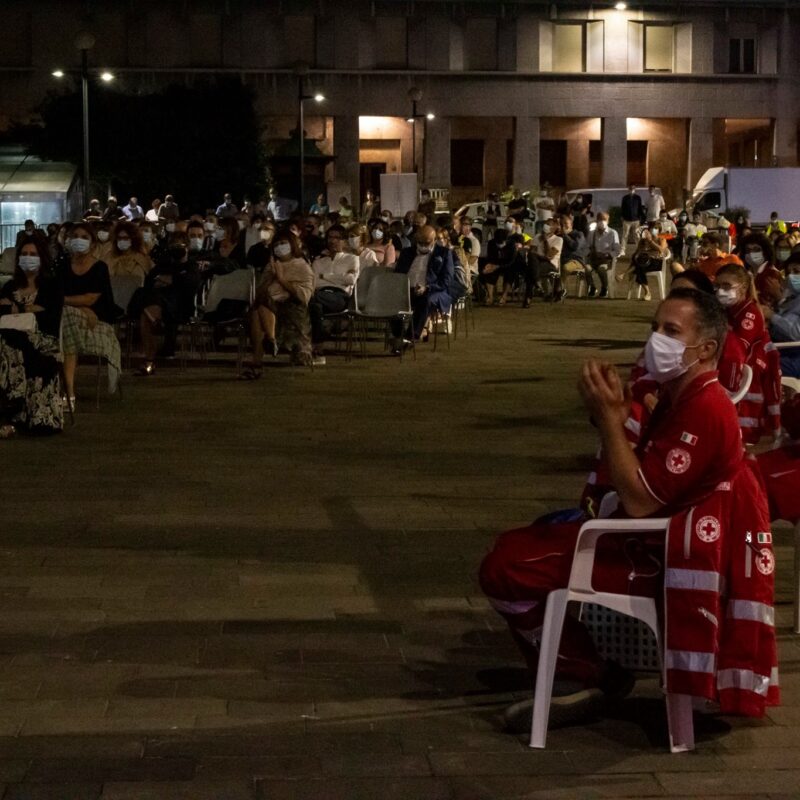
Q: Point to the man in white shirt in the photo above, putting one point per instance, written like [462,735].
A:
[655,204]
[335,276]
[152,214]
[604,250]
[545,208]
[474,250]
[545,262]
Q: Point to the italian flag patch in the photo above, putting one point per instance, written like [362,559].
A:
[688,438]
[765,538]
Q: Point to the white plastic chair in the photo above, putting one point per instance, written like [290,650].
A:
[579,588]
[744,385]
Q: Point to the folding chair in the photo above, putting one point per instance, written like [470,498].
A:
[388,299]
[661,277]
[123,288]
[463,307]
[579,588]
[238,286]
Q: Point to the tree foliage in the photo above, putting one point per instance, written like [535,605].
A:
[195,142]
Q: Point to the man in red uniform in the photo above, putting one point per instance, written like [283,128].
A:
[685,466]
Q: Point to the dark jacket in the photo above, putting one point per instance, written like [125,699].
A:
[439,277]
[575,248]
[49,296]
[632,208]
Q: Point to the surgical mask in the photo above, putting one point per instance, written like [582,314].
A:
[601,226]
[386,218]
[209,226]
[783,254]
[754,259]
[79,245]
[170,227]
[28,233]
[794,283]
[195,244]
[219,234]
[32,263]
[282,249]
[509,226]
[727,297]
[546,230]
[147,237]
[355,242]
[663,357]
[377,234]
[241,223]
[102,236]
[266,235]
[124,244]
[423,249]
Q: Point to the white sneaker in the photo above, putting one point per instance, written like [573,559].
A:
[318,361]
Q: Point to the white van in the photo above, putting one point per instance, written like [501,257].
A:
[604,199]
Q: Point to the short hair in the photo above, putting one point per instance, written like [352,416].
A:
[231,228]
[794,259]
[84,226]
[712,321]
[340,229]
[697,278]
[712,237]
[197,225]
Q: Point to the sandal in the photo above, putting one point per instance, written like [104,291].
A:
[7,431]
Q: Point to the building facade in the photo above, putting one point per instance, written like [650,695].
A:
[576,94]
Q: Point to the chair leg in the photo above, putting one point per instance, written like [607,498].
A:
[548,653]
[681,723]
[662,281]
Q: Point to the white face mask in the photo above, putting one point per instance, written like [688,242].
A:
[377,234]
[663,357]
[124,244]
[727,297]
[509,226]
[170,227]
[241,223]
[79,245]
[546,230]
[423,249]
[754,259]
[266,235]
[102,236]
[147,237]
[783,254]
[601,226]
[195,244]
[29,263]
[283,249]
[209,226]
[219,234]
[354,242]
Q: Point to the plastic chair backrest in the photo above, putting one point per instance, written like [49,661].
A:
[744,385]
[123,287]
[236,285]
[365,278]
[388,296]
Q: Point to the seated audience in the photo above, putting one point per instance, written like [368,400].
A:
[381,243]
[646,258]
[357,240]
[280,310]
[30,387]
[127,255]
[604,249]
[757,252]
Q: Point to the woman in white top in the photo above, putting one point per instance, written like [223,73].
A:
[357,239]
[381,243]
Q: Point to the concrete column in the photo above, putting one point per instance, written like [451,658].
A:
[346,150]
[784,141]
[615,151]
[526,152]
[700,153]
[436,145]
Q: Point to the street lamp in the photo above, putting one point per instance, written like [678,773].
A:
[302,71]
[85,41]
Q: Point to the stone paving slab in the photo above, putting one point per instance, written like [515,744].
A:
[278,599]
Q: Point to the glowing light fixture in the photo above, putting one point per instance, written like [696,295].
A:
[430,116]
[58,73]
[106,77]
[319,97]
[620,6]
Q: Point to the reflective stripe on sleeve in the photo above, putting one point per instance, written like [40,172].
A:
[754,397]
[633,426]
[698,579]
[744,679]
[690,660]
[774,409]
[751,610]
[647,486]
[512,606]
[748,422]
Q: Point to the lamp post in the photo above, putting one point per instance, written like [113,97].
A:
[85,41]
[415,95]
[302,71]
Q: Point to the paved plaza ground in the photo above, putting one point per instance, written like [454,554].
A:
[220,590]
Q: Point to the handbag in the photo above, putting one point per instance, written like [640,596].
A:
[19,322]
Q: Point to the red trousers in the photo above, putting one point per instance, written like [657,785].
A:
[526,564]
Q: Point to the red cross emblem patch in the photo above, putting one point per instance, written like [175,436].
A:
[678,461]
[707,529]
[765,562]
[747,324]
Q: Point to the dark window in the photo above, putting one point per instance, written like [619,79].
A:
[466,162]
[637,163]
[742,56]
[553,161]
[708,201]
